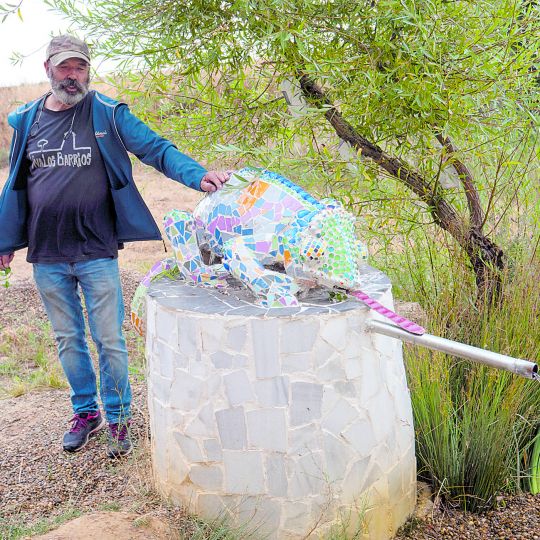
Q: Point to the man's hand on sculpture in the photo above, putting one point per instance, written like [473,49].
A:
[5,260]
[214,180]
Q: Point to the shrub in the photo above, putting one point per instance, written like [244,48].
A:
[474,424]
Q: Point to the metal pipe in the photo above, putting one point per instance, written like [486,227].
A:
[525,368]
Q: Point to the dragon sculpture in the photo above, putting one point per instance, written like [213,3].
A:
[271,235]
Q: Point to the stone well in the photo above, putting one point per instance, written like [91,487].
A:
[293,419]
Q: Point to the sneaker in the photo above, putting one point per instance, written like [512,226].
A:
[119,441]
[84,424]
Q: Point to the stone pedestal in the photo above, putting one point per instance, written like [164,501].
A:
[291,420]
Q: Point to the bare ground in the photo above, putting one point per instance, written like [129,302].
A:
[111,526]
[38,481]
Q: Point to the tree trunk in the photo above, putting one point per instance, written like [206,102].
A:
[486,258]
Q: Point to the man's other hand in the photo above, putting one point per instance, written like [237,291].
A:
[5,260]
[214,180]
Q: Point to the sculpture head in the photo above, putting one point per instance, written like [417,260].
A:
[328,250]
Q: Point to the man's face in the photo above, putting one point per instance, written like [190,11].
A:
[69,80]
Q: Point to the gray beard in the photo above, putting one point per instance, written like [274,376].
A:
[58,89]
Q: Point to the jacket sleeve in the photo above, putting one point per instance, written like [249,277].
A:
[156,151]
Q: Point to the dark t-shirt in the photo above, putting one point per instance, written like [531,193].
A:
[71,217]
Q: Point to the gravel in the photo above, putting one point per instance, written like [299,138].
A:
[38,478]
[516,518]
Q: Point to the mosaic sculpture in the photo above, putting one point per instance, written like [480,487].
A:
[271,235]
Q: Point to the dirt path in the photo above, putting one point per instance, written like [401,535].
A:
[38,478]
[111,526]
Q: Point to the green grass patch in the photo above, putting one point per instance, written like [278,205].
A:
[28,360]
[137,357]
[110,507]
[11,529]
[349,525]
[220,528]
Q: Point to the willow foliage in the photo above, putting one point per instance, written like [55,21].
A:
[400,71]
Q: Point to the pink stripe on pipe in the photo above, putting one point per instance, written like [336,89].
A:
[400,321]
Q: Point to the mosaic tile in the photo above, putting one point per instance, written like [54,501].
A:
[264,432]
[261,218]
[284,394]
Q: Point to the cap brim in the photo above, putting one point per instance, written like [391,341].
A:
[58,58]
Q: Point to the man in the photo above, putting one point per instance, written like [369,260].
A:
[70,197]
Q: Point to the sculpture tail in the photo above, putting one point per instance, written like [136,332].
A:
[138,304]
[400,321]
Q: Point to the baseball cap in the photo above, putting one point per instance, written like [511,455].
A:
[63,47]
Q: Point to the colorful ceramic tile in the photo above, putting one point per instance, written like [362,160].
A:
[261,219]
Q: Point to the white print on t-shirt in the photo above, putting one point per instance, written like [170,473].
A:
[61,157]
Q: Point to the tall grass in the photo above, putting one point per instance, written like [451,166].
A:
[474,424]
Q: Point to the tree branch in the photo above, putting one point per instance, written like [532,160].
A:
[473,199]
[486,258]
[443,213]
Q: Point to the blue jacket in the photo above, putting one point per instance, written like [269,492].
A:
[117,132]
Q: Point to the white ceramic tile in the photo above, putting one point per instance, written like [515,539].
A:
[207,477]
[243,472]
[231,425]
[267,429]
[238,388]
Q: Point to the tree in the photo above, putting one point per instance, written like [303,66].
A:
[418,88]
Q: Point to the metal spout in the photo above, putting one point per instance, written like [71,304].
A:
[525,368]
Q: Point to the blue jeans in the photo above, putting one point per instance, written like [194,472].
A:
[99,280]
